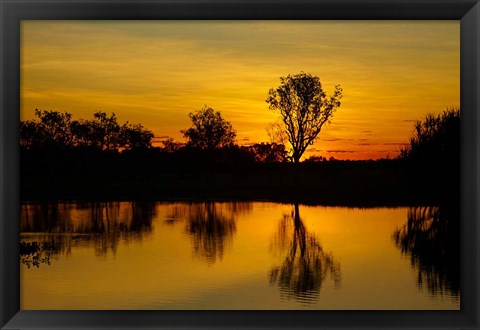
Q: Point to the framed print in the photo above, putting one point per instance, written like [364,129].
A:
[239,164]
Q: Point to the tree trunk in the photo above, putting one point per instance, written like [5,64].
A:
[296,215]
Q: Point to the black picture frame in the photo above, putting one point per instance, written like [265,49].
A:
[13,11]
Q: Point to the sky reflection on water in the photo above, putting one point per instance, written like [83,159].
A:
[237,255]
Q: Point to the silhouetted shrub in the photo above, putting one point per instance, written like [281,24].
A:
[57,131]
[436,138]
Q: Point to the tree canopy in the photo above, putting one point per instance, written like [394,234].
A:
[304,108]
[436,138]
[209,130]
[268,152]
[57,130]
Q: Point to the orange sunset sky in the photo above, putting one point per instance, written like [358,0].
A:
[156,72]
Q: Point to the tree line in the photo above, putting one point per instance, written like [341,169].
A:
[56,130]
[300,100]
[53,131]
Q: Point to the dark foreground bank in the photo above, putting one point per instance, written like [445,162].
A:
[382,182]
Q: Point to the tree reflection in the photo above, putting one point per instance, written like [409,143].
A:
[430,238]
[48,229]
[211,228]
[306,265]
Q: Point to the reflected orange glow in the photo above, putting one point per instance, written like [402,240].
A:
[161,269]
[156,72]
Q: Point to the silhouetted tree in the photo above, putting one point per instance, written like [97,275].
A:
[269,152]
[169,145]
[276,134]
[209,130]
[135,137]
[30,136]
[106,131]
[436,138]
[316,159]
[83,133]
[431,161]
[51,131]
[304,108]
[58,130]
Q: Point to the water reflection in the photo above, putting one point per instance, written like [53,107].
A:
[430,237]
[306,264]
[34,254]
[218,255]
[52,228]
[211,226]
[210,230]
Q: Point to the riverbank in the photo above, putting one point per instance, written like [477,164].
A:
[352,184]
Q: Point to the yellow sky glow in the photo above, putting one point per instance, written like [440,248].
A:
[156,72]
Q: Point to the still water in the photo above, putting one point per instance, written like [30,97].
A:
[237,255]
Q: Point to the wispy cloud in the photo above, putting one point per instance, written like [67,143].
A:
[395,143]
[341,151]
[157,72]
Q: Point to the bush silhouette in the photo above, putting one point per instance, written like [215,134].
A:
[209,130]
[56,130]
